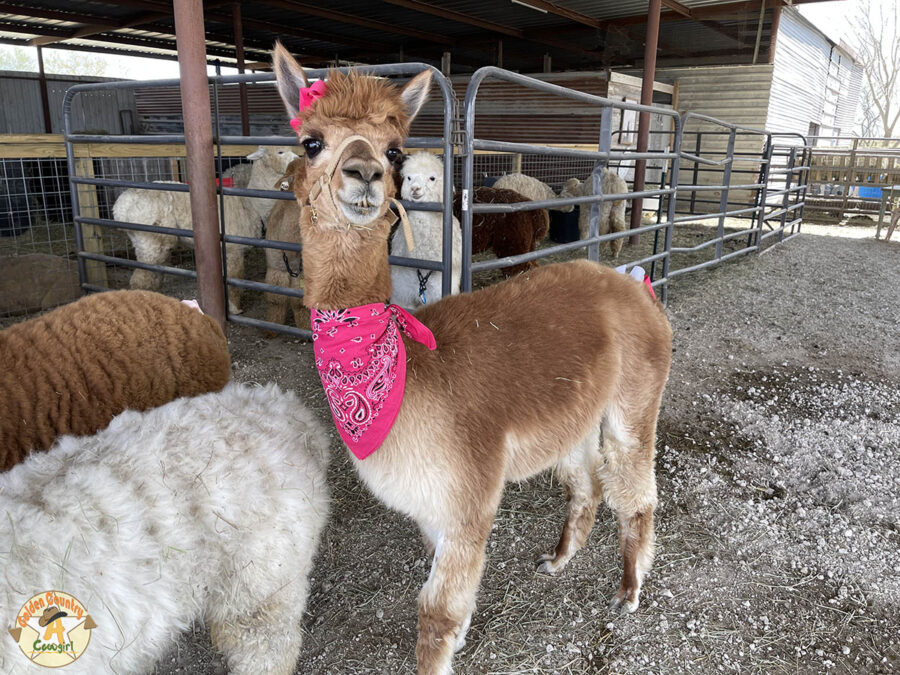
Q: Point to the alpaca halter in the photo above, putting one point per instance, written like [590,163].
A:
[322,188]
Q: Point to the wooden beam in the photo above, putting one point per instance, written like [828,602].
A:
[97,28]
[45,96]
[459,17]
[572,15]
[679,8]
[343,17]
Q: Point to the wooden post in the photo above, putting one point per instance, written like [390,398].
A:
[848,177]
[239,52]
[45,96]
[499,53]
[643,142]
[445,64]
[190,38]
[92,234]
[548,63]
[773,38]
[517,163]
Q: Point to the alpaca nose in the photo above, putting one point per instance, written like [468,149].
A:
[366,170]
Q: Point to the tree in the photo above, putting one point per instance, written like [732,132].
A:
[56,61]
[877,38]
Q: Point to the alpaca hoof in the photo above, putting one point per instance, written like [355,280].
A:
[234,310]
[547,564]
[623,603]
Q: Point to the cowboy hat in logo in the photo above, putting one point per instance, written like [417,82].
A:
[52,629]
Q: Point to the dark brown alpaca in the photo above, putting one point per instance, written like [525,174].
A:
[505,233]
[527,374]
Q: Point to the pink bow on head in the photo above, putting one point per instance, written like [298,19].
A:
[308,96]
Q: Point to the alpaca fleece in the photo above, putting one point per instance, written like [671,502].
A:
[530,187]
[283,267]
[205,509]
[72,370]
[612,213]
[244,216]
[505,233]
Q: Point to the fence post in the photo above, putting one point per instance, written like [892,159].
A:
[848,177]
[763,191]
[726,189]
[92,236]
[786,201]
[696,175]
[597,181]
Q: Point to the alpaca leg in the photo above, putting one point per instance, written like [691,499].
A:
[617,224]
[448,597]
[578,472]
[277,304]
[153,250]
[265,639]
[234,257]
[629,487]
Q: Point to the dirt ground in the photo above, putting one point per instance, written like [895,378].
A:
[778,528]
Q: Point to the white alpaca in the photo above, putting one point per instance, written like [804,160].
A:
[422,180]
[612,213]
[244,216]
[207,509]
[535,190]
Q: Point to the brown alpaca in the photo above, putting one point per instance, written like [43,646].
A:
[505,233]
[283,268]
[72,370]
[526,374]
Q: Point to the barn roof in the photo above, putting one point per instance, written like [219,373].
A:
[576,34]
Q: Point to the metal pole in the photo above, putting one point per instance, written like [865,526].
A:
[45,97]
[593,252]
[643,142]
[191,43]
[239,52]
[726,183]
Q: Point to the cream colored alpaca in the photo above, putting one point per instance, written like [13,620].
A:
[244,216]
[612,213]
[526,376]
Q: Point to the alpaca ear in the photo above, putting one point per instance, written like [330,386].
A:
[415,93]
[259,153]
[290,78]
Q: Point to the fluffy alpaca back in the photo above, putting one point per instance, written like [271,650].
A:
[529,187]
[72,370]
[422,180]
[207,509]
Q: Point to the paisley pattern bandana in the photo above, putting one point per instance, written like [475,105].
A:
[361,361]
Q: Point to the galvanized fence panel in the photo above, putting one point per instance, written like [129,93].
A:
[84,256]
[733,173]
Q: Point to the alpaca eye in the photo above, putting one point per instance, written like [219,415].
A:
[313,146]
[393,154]
[432,178]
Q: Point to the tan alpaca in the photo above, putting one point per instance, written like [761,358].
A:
[527,374]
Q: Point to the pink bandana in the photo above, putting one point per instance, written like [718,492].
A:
[308,96]
[361,360]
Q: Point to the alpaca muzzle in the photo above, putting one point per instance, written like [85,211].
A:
[322,200]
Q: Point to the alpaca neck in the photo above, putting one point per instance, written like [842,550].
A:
[345,268]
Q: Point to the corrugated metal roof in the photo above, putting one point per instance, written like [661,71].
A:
[376,31]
